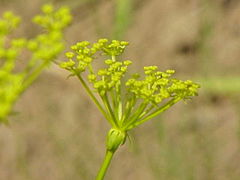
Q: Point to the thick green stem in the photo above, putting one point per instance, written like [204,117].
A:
[105,165]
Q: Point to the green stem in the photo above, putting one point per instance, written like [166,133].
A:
[146,112]
[105,165]
[93,98]
[114,103]
[119,101]
[114,58]
[109,109]
[155,113]
[33,76]
[128,108]
[136,115]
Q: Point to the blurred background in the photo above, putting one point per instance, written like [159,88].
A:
[59,134]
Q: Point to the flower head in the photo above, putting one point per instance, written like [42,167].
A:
[124,102]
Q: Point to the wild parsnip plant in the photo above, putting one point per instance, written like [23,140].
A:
[43,49]
[124,103]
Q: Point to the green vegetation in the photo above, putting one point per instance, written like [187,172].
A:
[42,49]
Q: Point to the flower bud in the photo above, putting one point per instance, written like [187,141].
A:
[115,138]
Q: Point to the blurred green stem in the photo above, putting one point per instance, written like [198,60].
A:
[105,165]
[123,16]
[33,76]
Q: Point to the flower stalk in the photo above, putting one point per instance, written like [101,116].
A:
[105,165]
[129,103]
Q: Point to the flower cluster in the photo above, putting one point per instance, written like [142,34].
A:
[8,23]
[104,79]
[83,55]
[157,86]
[53,20]
[48,45]
[124,103]
[44,48]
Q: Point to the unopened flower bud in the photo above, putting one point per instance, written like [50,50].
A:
[115,138]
